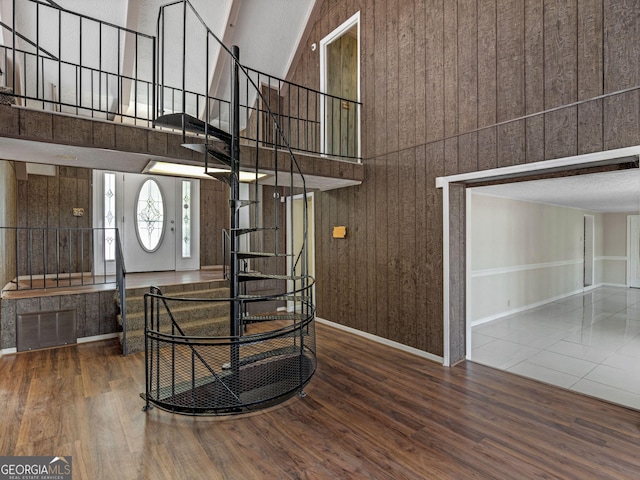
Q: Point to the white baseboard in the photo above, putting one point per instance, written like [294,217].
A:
[513,311]
[480,321]
[97,338]
[384,341]
[8,351]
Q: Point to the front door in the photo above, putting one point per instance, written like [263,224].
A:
[149,227]
[157,217]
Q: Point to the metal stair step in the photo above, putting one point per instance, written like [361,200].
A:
[243,231]
[225,177]
[243,203]
[262,255]
[191,124]
[246,276]
[290,298]
[219,150]
[273,317]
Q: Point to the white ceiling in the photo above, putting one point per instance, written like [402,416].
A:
[617,191]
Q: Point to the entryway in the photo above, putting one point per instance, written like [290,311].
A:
[157,217]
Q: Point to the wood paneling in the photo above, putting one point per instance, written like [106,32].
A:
[487,69]
[459,86]
[435,69]
[392,96]
[406,74]
[510,59]
[467,66]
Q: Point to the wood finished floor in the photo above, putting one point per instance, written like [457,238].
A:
[371,412]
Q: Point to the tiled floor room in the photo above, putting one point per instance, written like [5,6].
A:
[589,343]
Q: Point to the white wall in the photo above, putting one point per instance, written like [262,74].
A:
[614,251]
[523,253]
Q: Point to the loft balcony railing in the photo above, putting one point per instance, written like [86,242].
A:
[62,61]
[54,258]
[63,257]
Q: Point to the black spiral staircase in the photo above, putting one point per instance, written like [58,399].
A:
[269,353]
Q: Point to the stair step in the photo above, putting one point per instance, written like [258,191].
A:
[135,303]
[261,255]
[205,328]
[182,314]
[219,150]
[246,276]
[290,298]
[274,317]
[243,231]
[225,177]
[191,124]
[242,203]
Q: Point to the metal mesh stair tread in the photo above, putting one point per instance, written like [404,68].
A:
[191,124]
[292,298]
[262,255]
[242,231]
[262,276]
[275,316]
[217,149]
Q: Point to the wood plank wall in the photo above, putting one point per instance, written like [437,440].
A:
[48,202]
[449,87]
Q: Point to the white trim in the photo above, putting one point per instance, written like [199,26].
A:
[338,32]
[445,279]
[8,351]
[630,255]
[513,311]
[468,275]
[577,161]
[522,268]
[97,338]
[608,284]
[383,341]
[611,258]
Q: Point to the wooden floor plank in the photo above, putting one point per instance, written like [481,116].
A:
[370,412]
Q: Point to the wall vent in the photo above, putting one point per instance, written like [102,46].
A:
[45,329]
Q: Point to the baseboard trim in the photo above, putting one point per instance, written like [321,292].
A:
[513,311]
[97,338]
[8,351]
[384,341]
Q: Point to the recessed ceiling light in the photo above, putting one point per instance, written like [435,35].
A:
[192,171]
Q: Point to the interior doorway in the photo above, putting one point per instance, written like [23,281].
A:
[340,78]
[296,226]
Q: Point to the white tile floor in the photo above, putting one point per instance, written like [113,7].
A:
[589,343]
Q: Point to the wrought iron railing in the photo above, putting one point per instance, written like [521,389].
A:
[72,63]
[219,374]
[63,257]
[89,67]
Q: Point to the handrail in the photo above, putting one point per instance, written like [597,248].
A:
[121,283]
[43,260]
[81,82]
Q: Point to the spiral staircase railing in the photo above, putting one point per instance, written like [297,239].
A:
[267,356]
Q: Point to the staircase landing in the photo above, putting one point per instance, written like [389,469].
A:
[143,280]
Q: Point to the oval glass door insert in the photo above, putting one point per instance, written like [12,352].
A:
[150,216]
